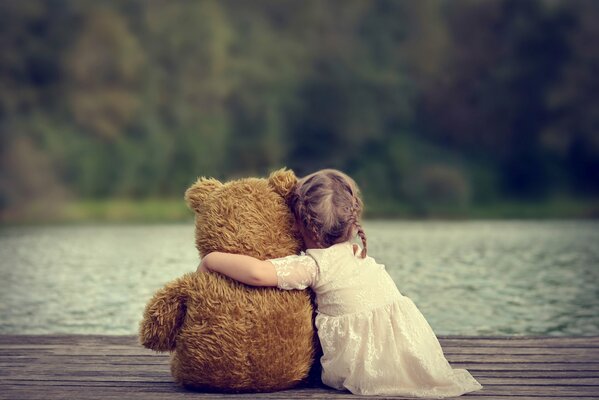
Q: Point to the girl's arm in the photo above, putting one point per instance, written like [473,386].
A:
[245,269]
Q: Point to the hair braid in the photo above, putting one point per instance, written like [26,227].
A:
[312,225]
[356,213]
[363,237]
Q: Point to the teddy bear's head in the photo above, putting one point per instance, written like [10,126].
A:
[247,216]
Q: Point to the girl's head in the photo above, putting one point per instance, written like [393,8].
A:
[327,208]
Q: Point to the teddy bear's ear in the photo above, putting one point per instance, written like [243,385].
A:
[282,181]
[199,191]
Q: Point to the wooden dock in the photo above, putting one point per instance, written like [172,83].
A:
[116,367]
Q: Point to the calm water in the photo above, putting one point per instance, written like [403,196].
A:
[466,277]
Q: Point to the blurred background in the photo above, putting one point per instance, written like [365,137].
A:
[451,115]
[471,109]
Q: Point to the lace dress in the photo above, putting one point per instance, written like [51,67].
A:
[374,340]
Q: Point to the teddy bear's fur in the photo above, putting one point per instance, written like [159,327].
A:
[224,335]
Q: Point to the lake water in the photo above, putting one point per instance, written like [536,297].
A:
[471,278]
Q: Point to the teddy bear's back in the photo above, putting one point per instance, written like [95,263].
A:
[232,325]
[233,337]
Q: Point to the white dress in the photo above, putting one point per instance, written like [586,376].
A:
[374,340]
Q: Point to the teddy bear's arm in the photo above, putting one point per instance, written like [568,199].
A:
[163,317]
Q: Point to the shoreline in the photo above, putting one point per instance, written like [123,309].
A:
[173,210]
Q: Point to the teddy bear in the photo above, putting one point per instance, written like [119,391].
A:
[224,335]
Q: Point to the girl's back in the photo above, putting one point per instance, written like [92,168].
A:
[346,283]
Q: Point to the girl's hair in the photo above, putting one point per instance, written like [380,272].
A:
[327,204]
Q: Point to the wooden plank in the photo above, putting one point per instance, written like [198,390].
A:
[547,374]
[549,391]
[136,350]
[68,340]
[474,365]
[522,341]
[447,344]
[151,393]
[108,394]
[140,352]
[67,366]
[557,351]
[587,358]
[67,371]
[163,372]
[509,341]
[91,378]
[283,396]
[126,387]
[482,366]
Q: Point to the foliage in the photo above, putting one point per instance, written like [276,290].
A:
[429,105]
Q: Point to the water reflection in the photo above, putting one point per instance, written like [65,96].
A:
[482,278]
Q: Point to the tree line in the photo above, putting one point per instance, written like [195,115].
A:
[425,102]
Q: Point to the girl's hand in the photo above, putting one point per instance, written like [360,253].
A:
[202,267]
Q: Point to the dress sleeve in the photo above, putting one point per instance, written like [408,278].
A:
[295,272]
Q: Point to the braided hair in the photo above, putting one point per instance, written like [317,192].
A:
[328,206]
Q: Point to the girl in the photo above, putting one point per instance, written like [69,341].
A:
[374,340]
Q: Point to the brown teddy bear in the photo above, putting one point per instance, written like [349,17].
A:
[227,336]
